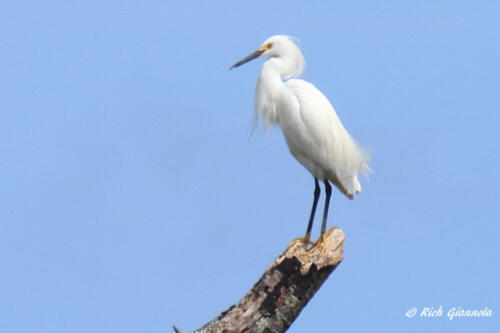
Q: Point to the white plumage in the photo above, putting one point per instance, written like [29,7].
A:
[312,129]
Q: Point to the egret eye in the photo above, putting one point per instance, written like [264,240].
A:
[265,47]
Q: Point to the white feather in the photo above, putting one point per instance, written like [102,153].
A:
[312,129]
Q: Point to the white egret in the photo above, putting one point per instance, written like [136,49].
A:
[312,130]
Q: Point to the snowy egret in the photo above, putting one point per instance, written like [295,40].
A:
[312,130]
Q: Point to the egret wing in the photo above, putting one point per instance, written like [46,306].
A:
[324,140]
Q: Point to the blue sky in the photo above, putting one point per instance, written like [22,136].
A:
[133,196]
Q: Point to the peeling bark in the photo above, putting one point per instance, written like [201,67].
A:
[283,291]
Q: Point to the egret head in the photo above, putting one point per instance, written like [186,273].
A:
[281,47]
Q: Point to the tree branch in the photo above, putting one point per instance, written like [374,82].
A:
[283,290]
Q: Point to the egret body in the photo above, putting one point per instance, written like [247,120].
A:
[313,131]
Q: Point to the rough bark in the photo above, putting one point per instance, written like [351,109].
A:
[283,290]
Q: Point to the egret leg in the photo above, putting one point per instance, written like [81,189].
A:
[321,241]
[317,191]
[328,190]
[307,237]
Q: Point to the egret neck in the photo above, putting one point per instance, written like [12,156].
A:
[271,76]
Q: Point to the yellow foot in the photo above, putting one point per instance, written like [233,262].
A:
[304,239]
[320,243]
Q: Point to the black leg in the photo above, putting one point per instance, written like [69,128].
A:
[328,190]
[317,191]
